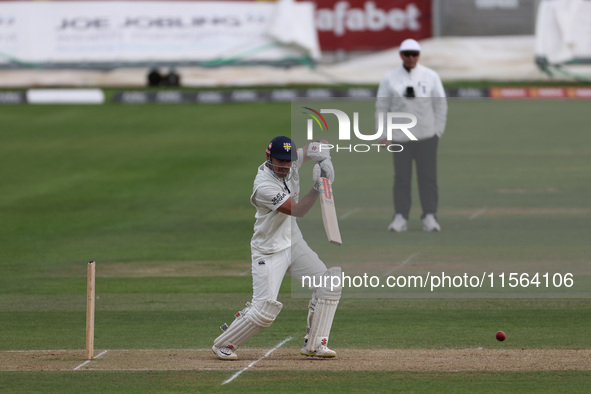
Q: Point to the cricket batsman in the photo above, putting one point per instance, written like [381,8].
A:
[278,247]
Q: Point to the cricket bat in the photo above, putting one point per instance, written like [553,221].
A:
[329,213]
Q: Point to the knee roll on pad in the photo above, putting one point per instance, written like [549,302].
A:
[248,322]
[330,291]
[263,314]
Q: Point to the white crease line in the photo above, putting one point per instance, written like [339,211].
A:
[408,259]
[478,213]
[254,362]
[81,365]
[349,213]
[87,361]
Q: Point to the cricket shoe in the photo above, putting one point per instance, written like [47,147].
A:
[225,353]
[398,224]
[430,224]
[321,351]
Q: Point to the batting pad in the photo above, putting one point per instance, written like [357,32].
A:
[322,318]
[248,322]
[322,310]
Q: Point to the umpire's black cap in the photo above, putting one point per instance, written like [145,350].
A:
[282,148]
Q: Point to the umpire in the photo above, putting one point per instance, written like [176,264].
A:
[415,89]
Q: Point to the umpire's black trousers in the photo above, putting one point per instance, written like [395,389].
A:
[424,154]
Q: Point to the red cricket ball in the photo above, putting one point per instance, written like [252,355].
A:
[501,336]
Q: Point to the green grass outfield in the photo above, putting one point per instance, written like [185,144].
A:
[158,196]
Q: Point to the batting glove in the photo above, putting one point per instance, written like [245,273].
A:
[318,151]
[327,170]
[316,174]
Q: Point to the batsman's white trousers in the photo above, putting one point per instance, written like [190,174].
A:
[268,271]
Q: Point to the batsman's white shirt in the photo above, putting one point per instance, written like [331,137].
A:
[431,113]
[277,245]
[274,231]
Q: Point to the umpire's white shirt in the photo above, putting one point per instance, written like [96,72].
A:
[431,113]
[274,231]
